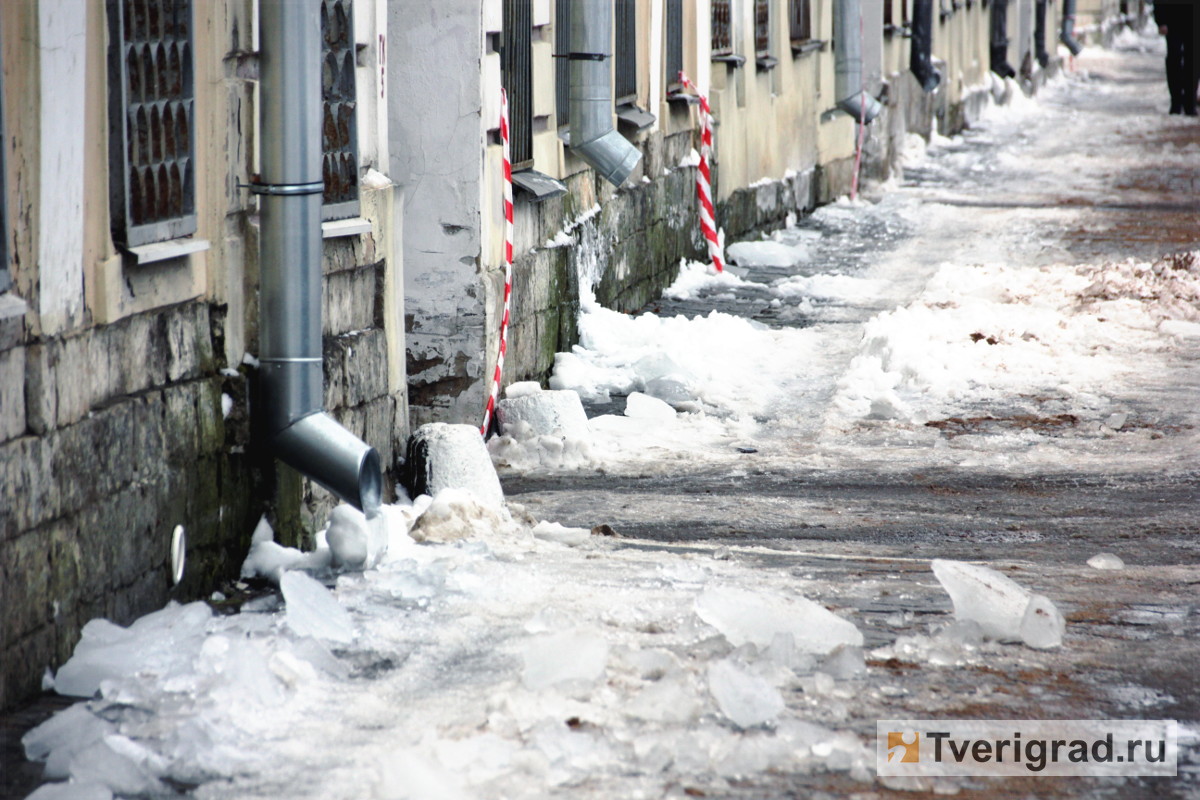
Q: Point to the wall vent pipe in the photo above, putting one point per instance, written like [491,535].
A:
[593,137]
[850,91]
[298,430]
[1039,34]
[921,53]
[1067,36]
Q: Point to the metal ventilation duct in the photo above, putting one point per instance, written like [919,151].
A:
[852,96]
[921,53]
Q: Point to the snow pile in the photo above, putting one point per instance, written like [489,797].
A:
[1003,610]
[767,253]
[696,280]
[518,676]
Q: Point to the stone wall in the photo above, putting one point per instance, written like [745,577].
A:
[123,439]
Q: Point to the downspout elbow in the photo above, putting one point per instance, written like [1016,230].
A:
[1067,36]
[317,446]
[848,66]
[593,137]
[921,44]
[862,106]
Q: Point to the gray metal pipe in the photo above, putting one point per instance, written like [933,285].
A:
[1067,36]
[920,59]
[593,137]
[299,432]
[852,96]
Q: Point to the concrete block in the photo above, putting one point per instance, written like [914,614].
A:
[183,354]
[12,393]
[27,492]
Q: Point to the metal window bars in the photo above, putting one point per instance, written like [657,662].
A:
[516,72]
[722,27]
[800,20]
[625,51]
[151,121]
[562,66]
[762,28]
[674,51]
[339,123]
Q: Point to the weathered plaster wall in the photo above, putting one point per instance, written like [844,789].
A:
[436,143]
[115,377]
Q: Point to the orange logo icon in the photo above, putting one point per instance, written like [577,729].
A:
[903,747]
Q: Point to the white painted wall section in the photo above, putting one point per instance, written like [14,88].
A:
[62,40]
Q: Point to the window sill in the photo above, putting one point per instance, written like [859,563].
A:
[764,63]
[680,96]
[807,46]
[161,251]
[630,116]
[337,228]
[538,185]
[730,60]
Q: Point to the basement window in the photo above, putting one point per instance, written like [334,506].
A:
[339,106]
[562,66]
[151,121]
[516,74]
[674,52]
[625,69]
[762,35]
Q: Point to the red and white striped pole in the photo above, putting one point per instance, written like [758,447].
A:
[708,216]
[508,259]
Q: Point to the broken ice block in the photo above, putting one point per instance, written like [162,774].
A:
[643,406]
[1105,561]
[71,791]
[312,610]
[745,616]
[745,698]
[555,532]
[564,658]
[1004,610]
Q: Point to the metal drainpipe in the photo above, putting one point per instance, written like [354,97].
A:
[299,432]
[593,137]
[1039,34]
[1067,36]
[921,52]
[848,86]
[1000,64]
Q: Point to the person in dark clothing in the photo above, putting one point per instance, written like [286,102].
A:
[1179,21]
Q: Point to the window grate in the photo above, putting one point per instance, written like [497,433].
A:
[516,68]
[151,121]
[562,66]
[625,66]
[674,55]
[800,20]
[762,28]
[339,123]
[722,27]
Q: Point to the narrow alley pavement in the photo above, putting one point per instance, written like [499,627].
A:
[994,358]
[1094,173]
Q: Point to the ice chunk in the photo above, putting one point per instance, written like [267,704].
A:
[554,532]
[1004,610]
[643,406]
[59,738]
[666,700]
[671,389]
[766,254]
[71,791]
[521,389]
[557,412]
[745,616]
[162,642]
[118,763]
[745,698]
[569,657]
[353,542]
[1106,561]
[1042,626]
[312,610]
[845,663]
